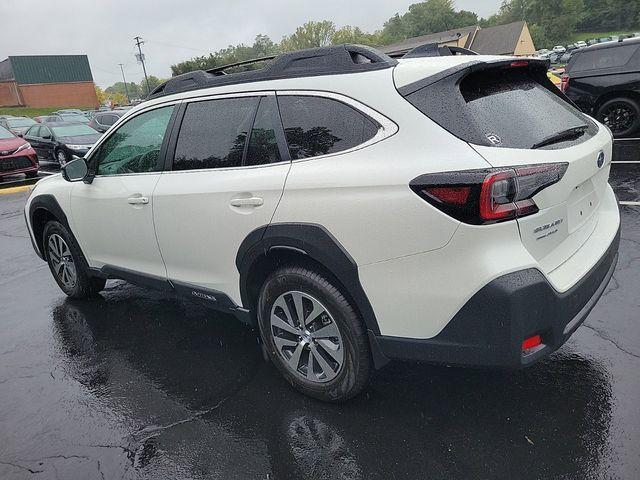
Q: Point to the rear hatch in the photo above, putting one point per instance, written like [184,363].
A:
[513,116]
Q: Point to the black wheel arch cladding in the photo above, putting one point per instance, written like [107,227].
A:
[309,240]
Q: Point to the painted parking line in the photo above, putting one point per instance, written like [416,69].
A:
[633,204]
[7,191]
[626,161]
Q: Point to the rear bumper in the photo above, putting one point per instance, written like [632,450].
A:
[489,329]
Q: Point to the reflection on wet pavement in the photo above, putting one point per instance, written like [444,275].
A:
[136,385]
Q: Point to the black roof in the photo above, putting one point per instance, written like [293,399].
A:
[611,44]
[333,60]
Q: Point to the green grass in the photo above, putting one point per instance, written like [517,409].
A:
[31,112]
[577,36]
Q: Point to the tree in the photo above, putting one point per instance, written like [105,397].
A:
[309,35]
[132,88]
[349,34]
[100,94]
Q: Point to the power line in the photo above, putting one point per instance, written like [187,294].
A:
[141,59]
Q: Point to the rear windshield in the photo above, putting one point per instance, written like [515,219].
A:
[612,57]
[20,122]
[500,108]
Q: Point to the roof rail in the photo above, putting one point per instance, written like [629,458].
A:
[435,50]
[333,60]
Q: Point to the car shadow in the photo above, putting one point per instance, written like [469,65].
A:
[550,420]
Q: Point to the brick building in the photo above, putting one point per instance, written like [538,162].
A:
[47,81]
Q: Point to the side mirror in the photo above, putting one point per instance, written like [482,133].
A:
[47,137]
[75,170]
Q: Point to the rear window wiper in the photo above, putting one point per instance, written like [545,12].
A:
[573,132]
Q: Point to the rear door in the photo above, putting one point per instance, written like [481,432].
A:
[512,115]
[226,178]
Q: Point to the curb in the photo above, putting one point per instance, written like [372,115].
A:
[7,191]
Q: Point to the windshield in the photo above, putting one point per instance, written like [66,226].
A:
[73,130]
[74,118]
[20,122]
[4,133]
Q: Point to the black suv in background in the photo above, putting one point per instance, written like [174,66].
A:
[604,81]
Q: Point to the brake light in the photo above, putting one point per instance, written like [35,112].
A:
[488,196]
[564,82]
[531,342]
[519,64]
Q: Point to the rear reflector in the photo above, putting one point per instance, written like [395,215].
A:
[488,196]
[519,64]
[564,82]
[531,342]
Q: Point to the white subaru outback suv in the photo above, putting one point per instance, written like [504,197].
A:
[355,208]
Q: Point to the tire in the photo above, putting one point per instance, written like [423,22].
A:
[621,115]
[61,157]
[331,325]
[67,264]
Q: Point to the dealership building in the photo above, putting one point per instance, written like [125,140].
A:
[47,81]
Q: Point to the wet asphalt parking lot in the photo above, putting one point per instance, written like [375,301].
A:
[135,385]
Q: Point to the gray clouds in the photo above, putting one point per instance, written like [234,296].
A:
[173,30]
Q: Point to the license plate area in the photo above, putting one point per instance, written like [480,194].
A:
[7,165]
[582,204]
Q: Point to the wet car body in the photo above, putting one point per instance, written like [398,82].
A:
[16,155]
[61,140]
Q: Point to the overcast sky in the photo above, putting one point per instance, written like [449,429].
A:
[174,30]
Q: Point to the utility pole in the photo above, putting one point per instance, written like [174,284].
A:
[126,89]
[141,60]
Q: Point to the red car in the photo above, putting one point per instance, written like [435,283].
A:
[16,155]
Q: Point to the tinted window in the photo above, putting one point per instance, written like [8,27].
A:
[498,108]
[263,146]
[135,146]
[213,133]
[44,132]
[107,120]
[316,126]
[603,58]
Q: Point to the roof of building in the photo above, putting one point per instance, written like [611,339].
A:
[498,40]
[440,37]
[30,69]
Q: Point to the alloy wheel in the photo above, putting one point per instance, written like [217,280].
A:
[62,158]
[62,261]
[619,117]
[306,337]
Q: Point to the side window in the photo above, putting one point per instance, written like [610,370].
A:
[316,126]
[45,132]
[263,146]
[135,146]
[214,132]
[34,131]
[107,120]
[604,58]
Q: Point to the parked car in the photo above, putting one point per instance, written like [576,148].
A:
[559,49]
[103,120]
[66,117]
[40,118]
[581,44]
[542,51]
[462,218]
[2,117]
[71,111]
[604,81]
[61,140]
[17,125]
[16,155]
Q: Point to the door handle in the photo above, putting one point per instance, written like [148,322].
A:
[247,202]
[138,200]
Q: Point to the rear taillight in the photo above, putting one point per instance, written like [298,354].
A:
[488,196]
[564,82]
